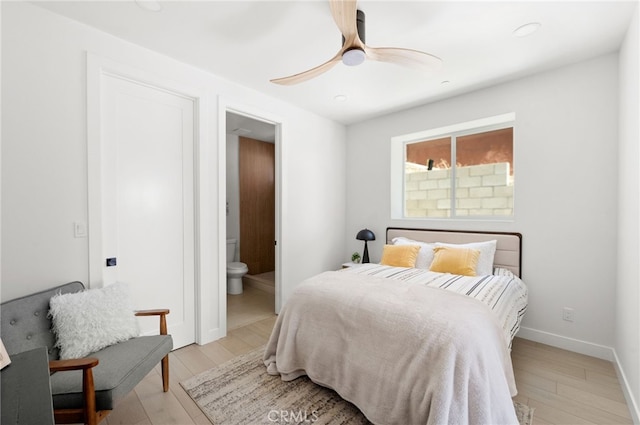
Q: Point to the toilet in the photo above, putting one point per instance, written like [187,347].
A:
[235,270]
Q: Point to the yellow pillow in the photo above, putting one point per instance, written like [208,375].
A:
[400,255]
[460,261]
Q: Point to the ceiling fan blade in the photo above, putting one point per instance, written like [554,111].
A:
[344,13]
[311,73]
[405,57]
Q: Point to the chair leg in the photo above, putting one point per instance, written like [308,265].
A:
[89,395]
[165,373]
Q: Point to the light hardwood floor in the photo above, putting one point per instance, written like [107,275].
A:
[253,304]
[567,388]
[563,387]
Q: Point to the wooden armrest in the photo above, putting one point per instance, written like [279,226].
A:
[159,312]
[73,364]
[87,413]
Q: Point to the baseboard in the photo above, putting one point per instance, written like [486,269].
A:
[210,336]
[628,395]
[575,345]
[589,349]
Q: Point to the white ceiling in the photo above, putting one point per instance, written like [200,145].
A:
[251,42]
[244,126]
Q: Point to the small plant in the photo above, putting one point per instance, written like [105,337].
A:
[355,257]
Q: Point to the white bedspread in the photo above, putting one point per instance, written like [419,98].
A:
[403,353]
[503,292]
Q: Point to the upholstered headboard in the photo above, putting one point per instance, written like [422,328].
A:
[508,247]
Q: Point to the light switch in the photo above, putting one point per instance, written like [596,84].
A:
[80,229]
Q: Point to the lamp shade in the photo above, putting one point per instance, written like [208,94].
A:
[365,235]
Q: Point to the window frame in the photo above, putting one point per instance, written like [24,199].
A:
[398,159]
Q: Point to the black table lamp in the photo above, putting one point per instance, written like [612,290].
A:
[365,235]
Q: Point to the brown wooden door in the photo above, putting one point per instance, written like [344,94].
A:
[257,205]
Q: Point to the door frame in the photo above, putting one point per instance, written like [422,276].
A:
[97,66]
[224,106]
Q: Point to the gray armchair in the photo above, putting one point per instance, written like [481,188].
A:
[84,390]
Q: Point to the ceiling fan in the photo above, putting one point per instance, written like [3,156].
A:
[354,51]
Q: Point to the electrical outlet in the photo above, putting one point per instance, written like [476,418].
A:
[567,314]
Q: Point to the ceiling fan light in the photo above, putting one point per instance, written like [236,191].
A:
[353,57]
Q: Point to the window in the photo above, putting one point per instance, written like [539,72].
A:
[460,171]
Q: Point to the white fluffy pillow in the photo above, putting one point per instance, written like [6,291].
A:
[91,320]
[425,255]
[487,252]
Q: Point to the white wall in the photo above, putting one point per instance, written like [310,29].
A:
[233,190]
[627,342]
[44,159]
[565,131]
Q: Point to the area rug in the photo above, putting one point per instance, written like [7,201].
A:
[241,392]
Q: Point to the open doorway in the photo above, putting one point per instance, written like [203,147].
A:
[250,219]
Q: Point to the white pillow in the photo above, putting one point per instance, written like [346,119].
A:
[487,252]
[90,320]
[425,255]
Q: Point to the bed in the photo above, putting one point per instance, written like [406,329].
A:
[408,345]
